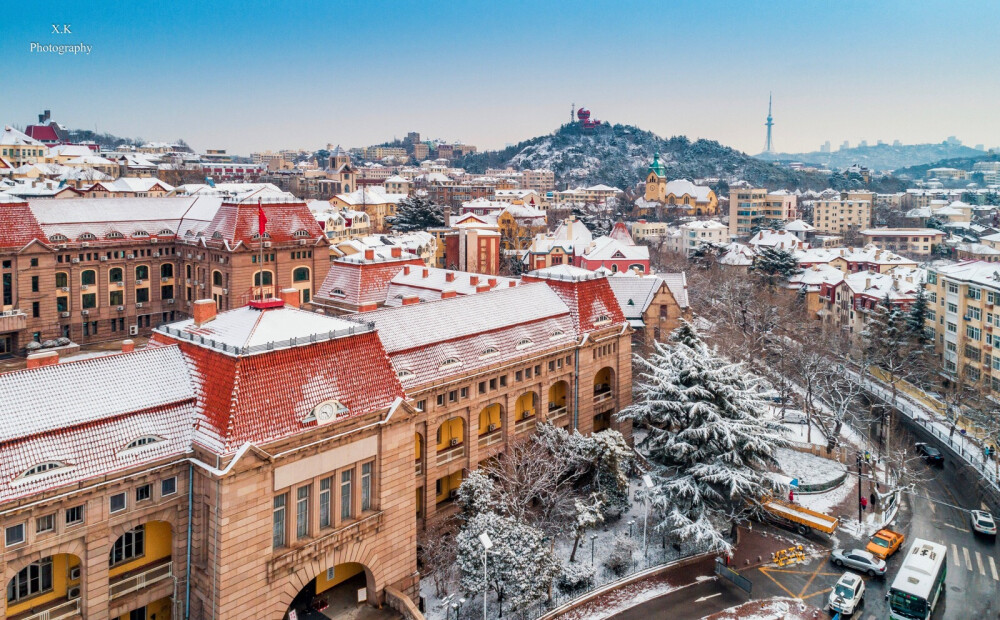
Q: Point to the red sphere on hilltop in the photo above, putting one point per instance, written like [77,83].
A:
[583,114]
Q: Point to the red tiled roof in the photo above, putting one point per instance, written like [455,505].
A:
[238,222]
[362,282]
[42,133]
[262,398]
[587,300]
[18,225]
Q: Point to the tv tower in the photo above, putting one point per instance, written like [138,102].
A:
[768,148]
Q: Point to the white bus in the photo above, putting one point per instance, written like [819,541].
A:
[920,581]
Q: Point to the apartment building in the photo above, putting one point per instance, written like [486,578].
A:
[853,211]
[19,149]
[102,269]
[695,234]
[910,241]
[964,318]
[749,208]
[595,194]
[850,301]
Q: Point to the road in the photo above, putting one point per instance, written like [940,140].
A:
[973,582]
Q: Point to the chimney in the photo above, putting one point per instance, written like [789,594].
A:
[448,294]
[426,273]
[367,307]
[482,288]
[449,277]
[493,282]
[369,254]
[411,300]
[290,296]
[396,252]
[406,270]
[204,311]
[868,283]
[128,346]
[44,358]
[512,283]
[473,280]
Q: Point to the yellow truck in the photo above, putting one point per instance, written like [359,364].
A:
[799,517]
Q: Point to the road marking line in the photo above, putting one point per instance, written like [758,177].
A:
[968,560]
[954,554]
[993,568]
[960,529]
[979,561]
[705,598]
[983,506]
[776,582]
[819,567]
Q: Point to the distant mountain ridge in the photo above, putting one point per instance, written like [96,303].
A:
[619,155]
[879,156]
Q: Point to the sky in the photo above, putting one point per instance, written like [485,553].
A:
[254,75]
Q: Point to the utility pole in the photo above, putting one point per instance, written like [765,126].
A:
[860,516]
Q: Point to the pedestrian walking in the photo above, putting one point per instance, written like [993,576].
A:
[864,503]
[791,495]
[873,499]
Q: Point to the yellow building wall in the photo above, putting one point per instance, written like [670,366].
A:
[449,429]
[525,406]
[60,583]
[159,544]
[557,393]
[489,415]
[341,573]
[447,484]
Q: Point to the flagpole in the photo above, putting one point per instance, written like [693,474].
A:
[260,234]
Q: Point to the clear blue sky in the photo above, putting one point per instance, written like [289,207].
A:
[253,75]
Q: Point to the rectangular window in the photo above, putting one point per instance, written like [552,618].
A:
[346,509]
[440,400]
[953,308]
[168,487]
[74,515]
[45,524]
[452,396]
[503,380]
[482,387]
[141,295]
[129,546]
[493,384]
[36,309]
[324,501]
[302,511]
[278,522]
[366,486]
[953,328]
[89,300]
[118,502]
[34,284]
[116,298]
[973,332]
[974,293]
[421,405]
[463,393]
[14,535]
[975,313]
[518,376]
[952,288]
[143,493]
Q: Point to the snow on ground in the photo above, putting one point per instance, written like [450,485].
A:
[827,502]
[771,609]
[798,430]
[808,468]
[619,600]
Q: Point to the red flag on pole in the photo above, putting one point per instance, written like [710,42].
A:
[261,219]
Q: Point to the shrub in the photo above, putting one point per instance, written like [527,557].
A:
[619,561]
[574,577]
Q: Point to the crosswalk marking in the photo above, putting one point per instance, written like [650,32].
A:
[968,560]
[979,561]
[993,568]
[954,554]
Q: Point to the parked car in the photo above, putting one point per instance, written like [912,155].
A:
[848,594]
[931,454]
[884,543]
[983,523]
[860,560]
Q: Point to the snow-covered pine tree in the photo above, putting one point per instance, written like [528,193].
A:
[416,213]
[775,265]
[707,438]
[588,514]
[598,218]
[916,320]
[519,567]
[476,494]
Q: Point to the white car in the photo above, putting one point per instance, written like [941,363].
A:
[848,594]
[983,523]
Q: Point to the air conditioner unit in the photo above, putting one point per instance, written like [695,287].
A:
[138,304]
[492,427]
[189,254]
[154,240]
[63,246]
[85,312]
[156,254]
[121,308]
[74,574]
[170,301]
[139,282]
[64,314]
[303,241]
[85,244]
[65,289]
[453,494]
[454,441]
[76,260]
[225,291]
[104,259]
[200,257]
[73,593]
[267,244]
[85,287]
[130,256]
[133,330]
[118,283]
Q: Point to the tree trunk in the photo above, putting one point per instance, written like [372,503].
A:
[576,542]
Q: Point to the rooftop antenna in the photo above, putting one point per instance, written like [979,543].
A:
[768,147]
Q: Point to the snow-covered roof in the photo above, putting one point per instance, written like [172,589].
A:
[799,226]
[373,195]
[813,277]
[978,249]
[896,232]
[777,239]
[682,187]
[737,255]
[13,137]
[704,225]
[606,248]
[972,271]
[428,283]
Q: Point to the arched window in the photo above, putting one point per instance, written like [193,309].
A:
[301,274]
[62,279]
[557,334]
[217,278]
[143,441]
[338,292]
[140,233]
[489,352]
[58,238]
[450,362]
[166,232]
[88,277]
[115,274]
[524,343]
[268,278]
[87,237]
[142,272]
[42,468]
[300,233]
[167,270]
[405,374]
[114,234]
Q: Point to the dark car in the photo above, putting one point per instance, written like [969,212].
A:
[931,454]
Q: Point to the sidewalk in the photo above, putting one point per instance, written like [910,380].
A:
[757,545]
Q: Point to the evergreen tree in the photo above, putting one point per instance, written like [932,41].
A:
[416,213]
[774,264]
[599,219]
[916,320]
[707,439]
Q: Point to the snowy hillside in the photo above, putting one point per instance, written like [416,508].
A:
[619,155]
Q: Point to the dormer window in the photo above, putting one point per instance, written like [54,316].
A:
[58,238]
[166,232]
[43,468]
[115,235]
[556,335]
[339,292]
[489,352]
[602,319]
[300,233]
[451,362]
[524,343]
[217,235]
[140,233]
[142,442]
[405,374]
[87,237]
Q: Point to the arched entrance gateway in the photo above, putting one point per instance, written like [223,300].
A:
[345,590]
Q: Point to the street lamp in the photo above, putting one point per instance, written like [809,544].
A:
[487,544]
[630,524]
[593,537]
[648,482]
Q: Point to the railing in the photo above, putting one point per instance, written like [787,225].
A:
[490,438]
[601,395]
[63,609]
[524,424]
[556,414]
[450,454]
[13,320]
[132,582]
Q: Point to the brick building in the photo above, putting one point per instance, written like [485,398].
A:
[100,269]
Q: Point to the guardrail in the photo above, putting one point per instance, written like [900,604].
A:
[66,609]
[138,581]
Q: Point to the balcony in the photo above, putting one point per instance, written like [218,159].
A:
[54,610]
[493,437]
[450,454]
[602,393]
[136,580]
[525,424]
[285,561]
[12,320]
[556,414]
[419,468]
